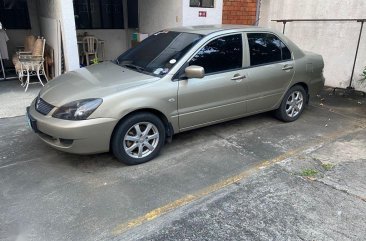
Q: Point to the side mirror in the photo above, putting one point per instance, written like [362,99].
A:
[194,71]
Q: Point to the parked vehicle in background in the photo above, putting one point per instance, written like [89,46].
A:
[175,80]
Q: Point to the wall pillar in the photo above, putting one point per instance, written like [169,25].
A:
[68,34]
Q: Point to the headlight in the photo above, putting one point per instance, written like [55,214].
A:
[77,110]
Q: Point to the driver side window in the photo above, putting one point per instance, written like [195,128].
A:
[222,54]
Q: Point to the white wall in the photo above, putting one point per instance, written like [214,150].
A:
[60,15]
[190,15]
[68,30]
[49,15]
[336,41]
[155,15]
[115,41]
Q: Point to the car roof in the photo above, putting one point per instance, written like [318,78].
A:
[209,29]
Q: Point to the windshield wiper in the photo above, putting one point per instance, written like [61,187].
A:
[132,66]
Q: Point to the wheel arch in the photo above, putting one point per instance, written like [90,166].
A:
[169,131]
[306,88]
[302,84]
[279,112]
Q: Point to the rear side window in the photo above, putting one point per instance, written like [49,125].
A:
[222,54]
[266,48]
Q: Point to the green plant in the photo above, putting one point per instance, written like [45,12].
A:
[95,60]
[327,166]
[308,173]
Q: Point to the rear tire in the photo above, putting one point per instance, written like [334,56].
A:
[293,104]
[138,138]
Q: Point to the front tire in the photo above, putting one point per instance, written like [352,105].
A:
[293,104]
[138,138]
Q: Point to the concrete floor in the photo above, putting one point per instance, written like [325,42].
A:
[14,100]
[49,195]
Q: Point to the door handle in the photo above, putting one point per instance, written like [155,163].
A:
[238,77]
[287,67]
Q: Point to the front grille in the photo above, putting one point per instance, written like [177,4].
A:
[43,107]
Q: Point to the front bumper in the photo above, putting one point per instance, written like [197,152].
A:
[80,137]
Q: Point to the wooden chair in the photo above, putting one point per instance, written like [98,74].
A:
[90,48]
[29,41]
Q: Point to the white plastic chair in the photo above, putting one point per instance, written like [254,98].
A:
[90,48]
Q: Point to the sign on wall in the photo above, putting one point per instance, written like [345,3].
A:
[202,14]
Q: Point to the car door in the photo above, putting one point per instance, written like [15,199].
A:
[270,73]
[219,95]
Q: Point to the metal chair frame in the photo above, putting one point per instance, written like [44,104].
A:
[32,65]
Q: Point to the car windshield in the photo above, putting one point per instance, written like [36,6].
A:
[158,53]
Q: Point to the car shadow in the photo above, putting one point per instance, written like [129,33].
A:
[95,162]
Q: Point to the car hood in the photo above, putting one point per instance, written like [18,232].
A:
[95,81]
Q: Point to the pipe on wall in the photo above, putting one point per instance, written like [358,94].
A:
[257,12]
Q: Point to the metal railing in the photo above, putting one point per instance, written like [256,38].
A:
[361,21]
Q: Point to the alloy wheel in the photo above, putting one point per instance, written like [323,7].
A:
[294,104]
[141,140]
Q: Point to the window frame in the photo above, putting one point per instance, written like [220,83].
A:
[177,75]
[129,16]
[101,18]
[246,53]
[213,1]
[275,62]
[28,24]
